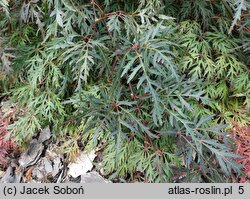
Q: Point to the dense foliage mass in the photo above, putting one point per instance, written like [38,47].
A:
[157,81]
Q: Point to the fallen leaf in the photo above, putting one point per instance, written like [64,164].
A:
[82,165]
[28,174]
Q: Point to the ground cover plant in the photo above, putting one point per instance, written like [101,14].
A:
[162,83]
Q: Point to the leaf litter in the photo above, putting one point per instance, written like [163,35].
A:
[43,163]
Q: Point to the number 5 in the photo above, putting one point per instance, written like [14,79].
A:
[241,190]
